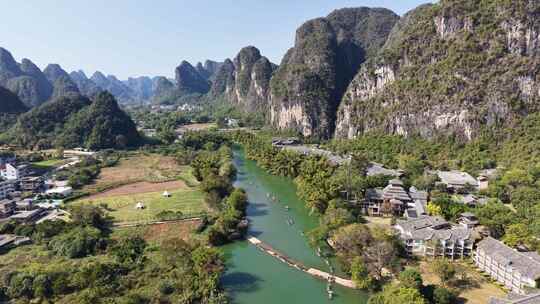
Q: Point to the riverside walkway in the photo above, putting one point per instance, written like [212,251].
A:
[312,271]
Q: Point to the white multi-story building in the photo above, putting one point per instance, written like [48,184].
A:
[13,172]
[433,236]
[518,271]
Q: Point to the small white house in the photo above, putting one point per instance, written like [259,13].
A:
[139,206]
[65,191]
[166,194]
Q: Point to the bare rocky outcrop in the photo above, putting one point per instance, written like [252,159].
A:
[245,81]
[452,69]
[313,76]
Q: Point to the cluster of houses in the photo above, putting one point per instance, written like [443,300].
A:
[21,193]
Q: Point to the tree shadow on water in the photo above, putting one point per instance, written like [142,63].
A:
[240,282]
[257,209]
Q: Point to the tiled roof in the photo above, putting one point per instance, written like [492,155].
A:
[433,228]
[378,169]
[456,178]
[526,263]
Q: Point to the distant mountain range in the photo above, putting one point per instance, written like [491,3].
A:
[34,87]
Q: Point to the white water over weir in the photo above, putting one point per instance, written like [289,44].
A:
[312,271]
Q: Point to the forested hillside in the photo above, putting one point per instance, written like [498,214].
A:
[75,121]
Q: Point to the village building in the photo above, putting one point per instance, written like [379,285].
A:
[456,180]
[8,241]
[375,169]
[25,204]
[14,172]
[418,206]
[63,191]
[518,271]
[434,237]
[6,189]
[31,183]
[468,220]
[7,208]
[28,217]
[393,199]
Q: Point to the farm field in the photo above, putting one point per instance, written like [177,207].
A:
[141,167]
[142,178]
[123,207]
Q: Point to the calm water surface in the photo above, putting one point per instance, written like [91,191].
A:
[255,277]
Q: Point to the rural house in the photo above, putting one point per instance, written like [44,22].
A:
[456,180]
[518,271]
[433,236]
[7,207]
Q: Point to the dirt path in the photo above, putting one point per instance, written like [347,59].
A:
[140,187]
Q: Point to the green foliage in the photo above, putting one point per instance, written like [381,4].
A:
[444,269]
[129,251]
[411,278]
[394,294]
[74,122]
[77,243]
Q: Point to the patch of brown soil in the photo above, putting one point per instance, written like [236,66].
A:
[167,231]
[141,187]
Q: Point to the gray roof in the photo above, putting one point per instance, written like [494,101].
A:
[456,178]
[6,239]
[433,228]
[418,195]
[517,299]
[378,169]
[526,263]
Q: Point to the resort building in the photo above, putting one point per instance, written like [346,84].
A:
[391,200]
[434,237]
[518,271]
[31,183]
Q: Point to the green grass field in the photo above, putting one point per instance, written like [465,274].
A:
[122,208]
[48,164]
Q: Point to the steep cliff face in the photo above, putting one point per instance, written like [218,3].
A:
[453,68]
[309,84]
[245,81]
[62,83]
[25,79]
[141,87]
[85,85]
[189,80]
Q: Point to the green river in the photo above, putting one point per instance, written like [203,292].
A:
[255,277]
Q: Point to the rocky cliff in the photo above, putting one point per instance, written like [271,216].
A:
[453,68]
[245,81]
[86,86]
[189,80]
[313,76]
[62,83]
[25,79]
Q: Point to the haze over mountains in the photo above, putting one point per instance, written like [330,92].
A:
[451,68]
[34,86]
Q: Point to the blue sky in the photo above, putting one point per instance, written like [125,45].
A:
[132,38]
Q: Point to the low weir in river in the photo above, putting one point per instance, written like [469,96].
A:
[312,271]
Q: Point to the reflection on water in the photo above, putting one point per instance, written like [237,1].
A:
[254,276]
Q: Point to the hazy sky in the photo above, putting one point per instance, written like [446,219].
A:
[132,38]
